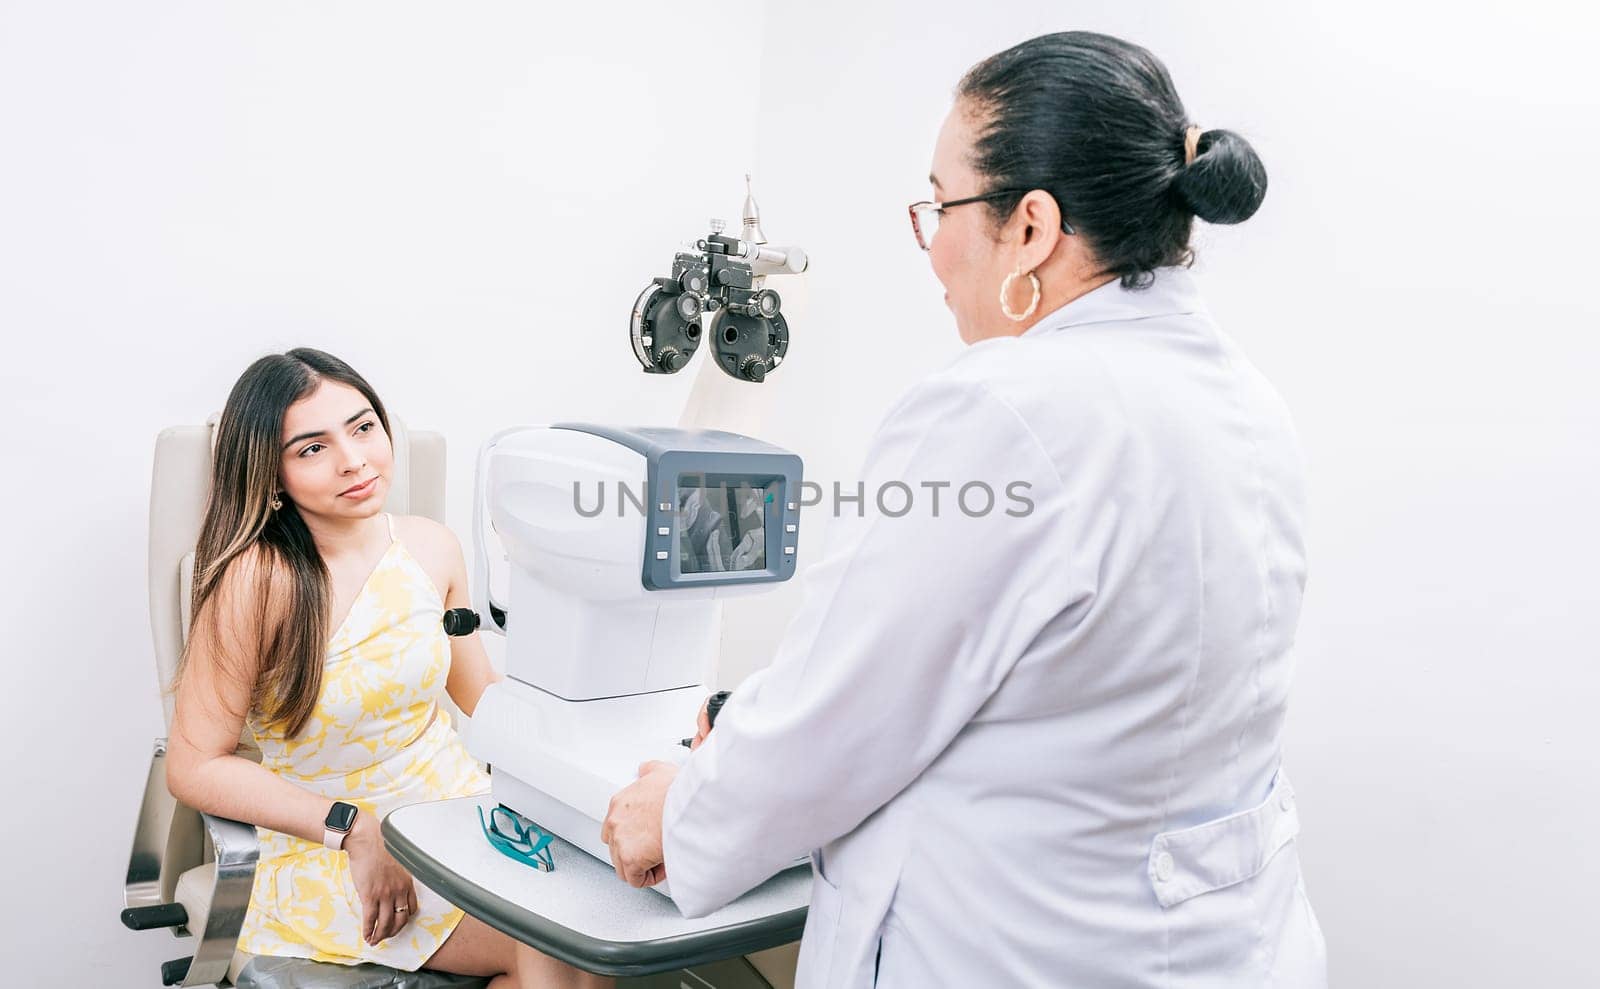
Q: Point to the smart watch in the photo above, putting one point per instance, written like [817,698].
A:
[336,826]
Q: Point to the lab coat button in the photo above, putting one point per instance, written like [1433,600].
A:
[1163,867]
[1286,801]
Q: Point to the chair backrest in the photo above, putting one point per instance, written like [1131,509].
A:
[179,485]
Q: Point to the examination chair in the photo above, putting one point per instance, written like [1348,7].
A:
[191,873]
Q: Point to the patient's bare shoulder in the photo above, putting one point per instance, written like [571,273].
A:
[433,544]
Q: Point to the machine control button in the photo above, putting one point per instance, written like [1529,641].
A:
[793,506]
[665,506]
[790,527]
[661,554]
[788,551]
[663,531]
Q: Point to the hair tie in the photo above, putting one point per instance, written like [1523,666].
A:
[1191,144]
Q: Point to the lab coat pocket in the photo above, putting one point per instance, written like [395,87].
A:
[822,923]
[1223,852]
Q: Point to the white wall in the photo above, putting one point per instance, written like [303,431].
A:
[483,189]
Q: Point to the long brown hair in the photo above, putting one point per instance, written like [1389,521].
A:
[293,638]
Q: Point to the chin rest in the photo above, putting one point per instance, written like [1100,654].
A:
[190,872]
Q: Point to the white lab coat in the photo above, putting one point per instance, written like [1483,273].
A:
[1039,748]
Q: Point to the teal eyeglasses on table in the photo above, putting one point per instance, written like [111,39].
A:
[516,837]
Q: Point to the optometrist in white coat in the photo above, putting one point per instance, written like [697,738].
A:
[1035,738]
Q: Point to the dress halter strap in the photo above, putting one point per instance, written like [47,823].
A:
[390,519]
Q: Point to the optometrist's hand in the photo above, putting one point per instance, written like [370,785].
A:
[387,891]
[632,828]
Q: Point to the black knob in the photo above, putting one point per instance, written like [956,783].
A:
[672,359]
[754,368]
[460,621]
[714,706]
[175,971]
[152,917]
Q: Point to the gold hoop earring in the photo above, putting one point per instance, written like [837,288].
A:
[276,502]
[1005,291]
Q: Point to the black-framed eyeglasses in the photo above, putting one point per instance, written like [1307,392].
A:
[925,214]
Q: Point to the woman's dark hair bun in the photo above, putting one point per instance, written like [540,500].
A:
[1226,181]
[1096,122]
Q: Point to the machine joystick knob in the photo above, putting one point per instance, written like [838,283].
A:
[672,359]
[714,706]
[754,368]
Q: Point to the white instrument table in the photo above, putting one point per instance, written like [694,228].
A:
[582,913]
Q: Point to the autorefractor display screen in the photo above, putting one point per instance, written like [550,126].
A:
[721,523]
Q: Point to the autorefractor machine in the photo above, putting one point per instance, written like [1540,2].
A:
[621,545]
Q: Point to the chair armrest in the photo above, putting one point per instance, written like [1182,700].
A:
[236,853]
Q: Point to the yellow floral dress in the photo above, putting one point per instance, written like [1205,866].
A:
[377,739]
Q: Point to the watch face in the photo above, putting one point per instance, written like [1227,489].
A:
[341,817]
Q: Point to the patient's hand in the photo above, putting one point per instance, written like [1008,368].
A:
[632,826]
[381,882]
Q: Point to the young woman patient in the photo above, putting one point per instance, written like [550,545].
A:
[317,625]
